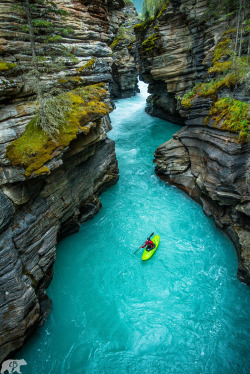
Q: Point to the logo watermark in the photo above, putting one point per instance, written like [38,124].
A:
[12,366]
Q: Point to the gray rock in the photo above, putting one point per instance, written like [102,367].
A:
[39,210]
[7,211]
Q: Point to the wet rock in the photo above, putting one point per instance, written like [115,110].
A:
[216,176]
[203,159]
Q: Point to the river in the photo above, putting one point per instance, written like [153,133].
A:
[183,311]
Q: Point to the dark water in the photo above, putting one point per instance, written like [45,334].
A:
[183,311]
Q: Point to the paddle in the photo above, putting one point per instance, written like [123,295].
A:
[143,243]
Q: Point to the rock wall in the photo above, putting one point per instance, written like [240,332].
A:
[44,199]
[124,67]
[214,170]
[172,47]
[209,157]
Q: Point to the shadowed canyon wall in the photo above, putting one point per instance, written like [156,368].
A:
[186,57]
[50,184]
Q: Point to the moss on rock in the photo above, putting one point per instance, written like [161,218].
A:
[231,115]
[227,70]
[148,46]
[88,65]
[5,66]
[35,147]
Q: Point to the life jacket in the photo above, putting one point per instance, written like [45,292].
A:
[148,241]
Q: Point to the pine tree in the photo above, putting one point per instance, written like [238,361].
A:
[42,17]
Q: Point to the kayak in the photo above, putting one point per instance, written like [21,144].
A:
[148,254]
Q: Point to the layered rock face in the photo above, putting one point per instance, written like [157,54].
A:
[214,170]
[209,158]
[124,68]
[172,48]
[49,185]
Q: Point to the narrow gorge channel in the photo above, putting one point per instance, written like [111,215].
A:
[184,311]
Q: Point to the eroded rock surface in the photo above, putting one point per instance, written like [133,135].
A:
[124,68]
[43,205]
[209,159]
[214,170]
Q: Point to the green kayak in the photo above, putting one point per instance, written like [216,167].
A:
[148,254]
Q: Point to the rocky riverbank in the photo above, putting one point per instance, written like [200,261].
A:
[51,184]
[186,57]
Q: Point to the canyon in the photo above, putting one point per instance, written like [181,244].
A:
[49,186]
[184,57]
[52,186]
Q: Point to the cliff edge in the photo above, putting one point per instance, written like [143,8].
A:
[194,55]
[55,76]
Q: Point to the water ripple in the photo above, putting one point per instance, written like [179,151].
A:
[184,311]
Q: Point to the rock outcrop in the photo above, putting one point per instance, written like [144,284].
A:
[49,185]
[124,68]
[186,50]
[214,170]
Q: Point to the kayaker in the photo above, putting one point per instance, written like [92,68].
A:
[149,244]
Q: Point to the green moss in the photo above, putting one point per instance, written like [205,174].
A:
[123,35]
[230,69]
[189,96]
[5,66]
[221,50]
[163,9]
[88,65]
[35,147]
[70,80]
[148,46]
[141,28]
[115,42]
[231,115]
[220,67]
[43,170]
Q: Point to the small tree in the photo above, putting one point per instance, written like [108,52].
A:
[42,17]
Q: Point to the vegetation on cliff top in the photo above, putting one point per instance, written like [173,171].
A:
[231,115]
[229,69]
[153,8]
[40,23]
[36,147]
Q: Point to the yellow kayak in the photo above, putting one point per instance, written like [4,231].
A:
[148,254]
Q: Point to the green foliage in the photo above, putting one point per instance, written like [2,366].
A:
[154,8]
[42,18]
[44,15]
[149,46]
[88,65]
[141,28]
[216,9]
[67,115]
[41,23]
[6,66]
[53,39]
[230,70]
[231,115]
[123,34]
[186,100]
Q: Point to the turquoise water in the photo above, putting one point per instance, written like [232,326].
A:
[138,5]
[183,311]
